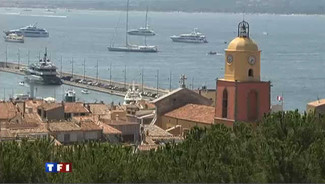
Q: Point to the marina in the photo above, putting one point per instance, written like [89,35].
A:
[174,59]
[88,83]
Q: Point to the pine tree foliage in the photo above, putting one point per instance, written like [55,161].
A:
[284,147]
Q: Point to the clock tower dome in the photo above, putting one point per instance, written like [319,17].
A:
[243,58]
[241,95]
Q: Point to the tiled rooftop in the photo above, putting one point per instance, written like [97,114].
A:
[64,127]
[155,131]
[50,106]
[89,126]
[99,109]
[33,104]
[108,129]
[194,113]
[75,107]
[7,110]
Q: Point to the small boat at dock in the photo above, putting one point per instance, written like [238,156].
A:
[85,91]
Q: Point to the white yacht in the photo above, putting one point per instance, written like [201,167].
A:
[29,31]
[193,37]
[129,47]
[143,31]
[132,96]
[14,38]
[70,95]
[85,91]
[42,72]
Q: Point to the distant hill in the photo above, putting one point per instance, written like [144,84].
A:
[237,6]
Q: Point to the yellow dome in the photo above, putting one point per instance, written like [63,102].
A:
[242,44]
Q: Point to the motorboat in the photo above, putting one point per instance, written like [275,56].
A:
[22,83]
[70,95]
[132,96]
[193,37]
[85,91]
[29,31]
[14,38]
[212,53]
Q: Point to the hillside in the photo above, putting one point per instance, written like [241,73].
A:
[239,6]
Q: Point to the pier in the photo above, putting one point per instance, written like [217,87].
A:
[91,83]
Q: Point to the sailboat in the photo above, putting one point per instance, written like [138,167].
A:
[128,47]
[143,31]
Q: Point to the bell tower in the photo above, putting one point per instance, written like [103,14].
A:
[243,58]
[241,95]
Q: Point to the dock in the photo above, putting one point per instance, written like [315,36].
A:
[91,83]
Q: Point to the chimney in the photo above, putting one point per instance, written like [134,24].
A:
[31,90]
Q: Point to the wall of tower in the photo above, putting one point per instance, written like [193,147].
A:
[238,69]
[230,86]
[263,99]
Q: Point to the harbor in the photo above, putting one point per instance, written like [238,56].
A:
[176,58]
[92,83]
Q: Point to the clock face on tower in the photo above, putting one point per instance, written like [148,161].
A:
[229,59]
[251,60]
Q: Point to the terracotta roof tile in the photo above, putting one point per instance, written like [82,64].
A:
[88,126]
[41,128]
[33,104]
[108,129]
[50,106]
[193,112]
[99,109]
[64,127]
[7,110]
[32,118]
[75,107]
[120,122]
[155,131]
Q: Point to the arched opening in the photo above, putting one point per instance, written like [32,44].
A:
[250,73]
[225,104]
[252,106]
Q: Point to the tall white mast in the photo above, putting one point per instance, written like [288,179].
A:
[127,24]
[146,23]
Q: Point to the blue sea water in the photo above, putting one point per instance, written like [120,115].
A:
[292,50]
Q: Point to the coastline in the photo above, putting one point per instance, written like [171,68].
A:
[170,11]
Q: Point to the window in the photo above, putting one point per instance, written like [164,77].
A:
[39,111]
[225,104]
[250,73]
[66,137]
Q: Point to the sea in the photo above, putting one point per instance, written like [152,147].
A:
[292,50]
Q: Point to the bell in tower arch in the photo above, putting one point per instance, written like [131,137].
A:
[243,29]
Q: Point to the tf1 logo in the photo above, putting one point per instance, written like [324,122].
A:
[52,167]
